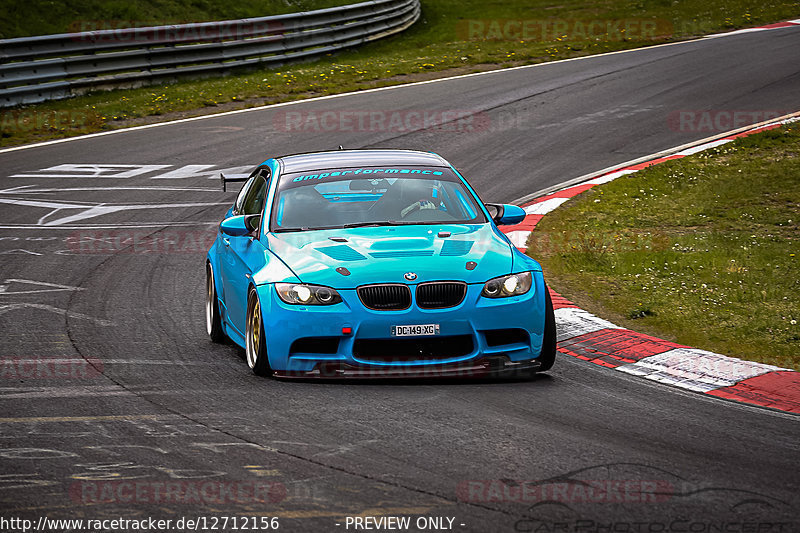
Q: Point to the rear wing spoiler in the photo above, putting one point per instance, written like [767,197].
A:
[231,178]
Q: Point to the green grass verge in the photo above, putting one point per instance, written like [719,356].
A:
[703,251]
[24,18]
[441,43]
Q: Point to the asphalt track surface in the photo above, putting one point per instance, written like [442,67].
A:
[169,406]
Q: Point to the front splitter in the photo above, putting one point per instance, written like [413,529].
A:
[494,366]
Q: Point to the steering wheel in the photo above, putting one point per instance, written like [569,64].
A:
[420,205]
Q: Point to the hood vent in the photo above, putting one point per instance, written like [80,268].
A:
[341,252]
[402,253]
[456,248]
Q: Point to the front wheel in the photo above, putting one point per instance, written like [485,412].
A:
[547,357]
[255,343]
[213,320]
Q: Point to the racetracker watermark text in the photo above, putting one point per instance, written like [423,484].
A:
[448,120]
[16,368]
[29,120]
[557,29]
[584,491]
[719,120]
[596,242]
[191,492]
[141,241]
[144,32]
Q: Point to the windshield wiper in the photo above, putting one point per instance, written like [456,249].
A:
[304,228]
[373,224]
[361,225]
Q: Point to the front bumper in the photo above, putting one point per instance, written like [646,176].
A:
[479,336]
[485,367]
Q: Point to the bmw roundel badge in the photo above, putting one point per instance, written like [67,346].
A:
[410,276]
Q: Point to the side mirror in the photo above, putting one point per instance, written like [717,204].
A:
[240,225]
[506,214]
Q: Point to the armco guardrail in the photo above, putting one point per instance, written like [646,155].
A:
[49,67]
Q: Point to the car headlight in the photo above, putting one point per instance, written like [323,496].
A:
[505,286]
[304,294]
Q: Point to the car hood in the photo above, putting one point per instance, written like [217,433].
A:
[386,254]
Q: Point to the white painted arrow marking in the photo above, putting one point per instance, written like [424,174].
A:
[44,203]
[92,171]
[52,287]
[100,210]
[57,310]
[19,251]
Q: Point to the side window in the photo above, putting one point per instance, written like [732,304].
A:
[259,178]
[253,202]
[237,206]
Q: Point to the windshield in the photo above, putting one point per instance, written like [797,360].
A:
[353,197]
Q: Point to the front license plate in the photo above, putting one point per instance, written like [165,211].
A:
[417,330]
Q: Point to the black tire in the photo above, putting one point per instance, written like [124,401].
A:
[213,320]
[547,357]
[255,347]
